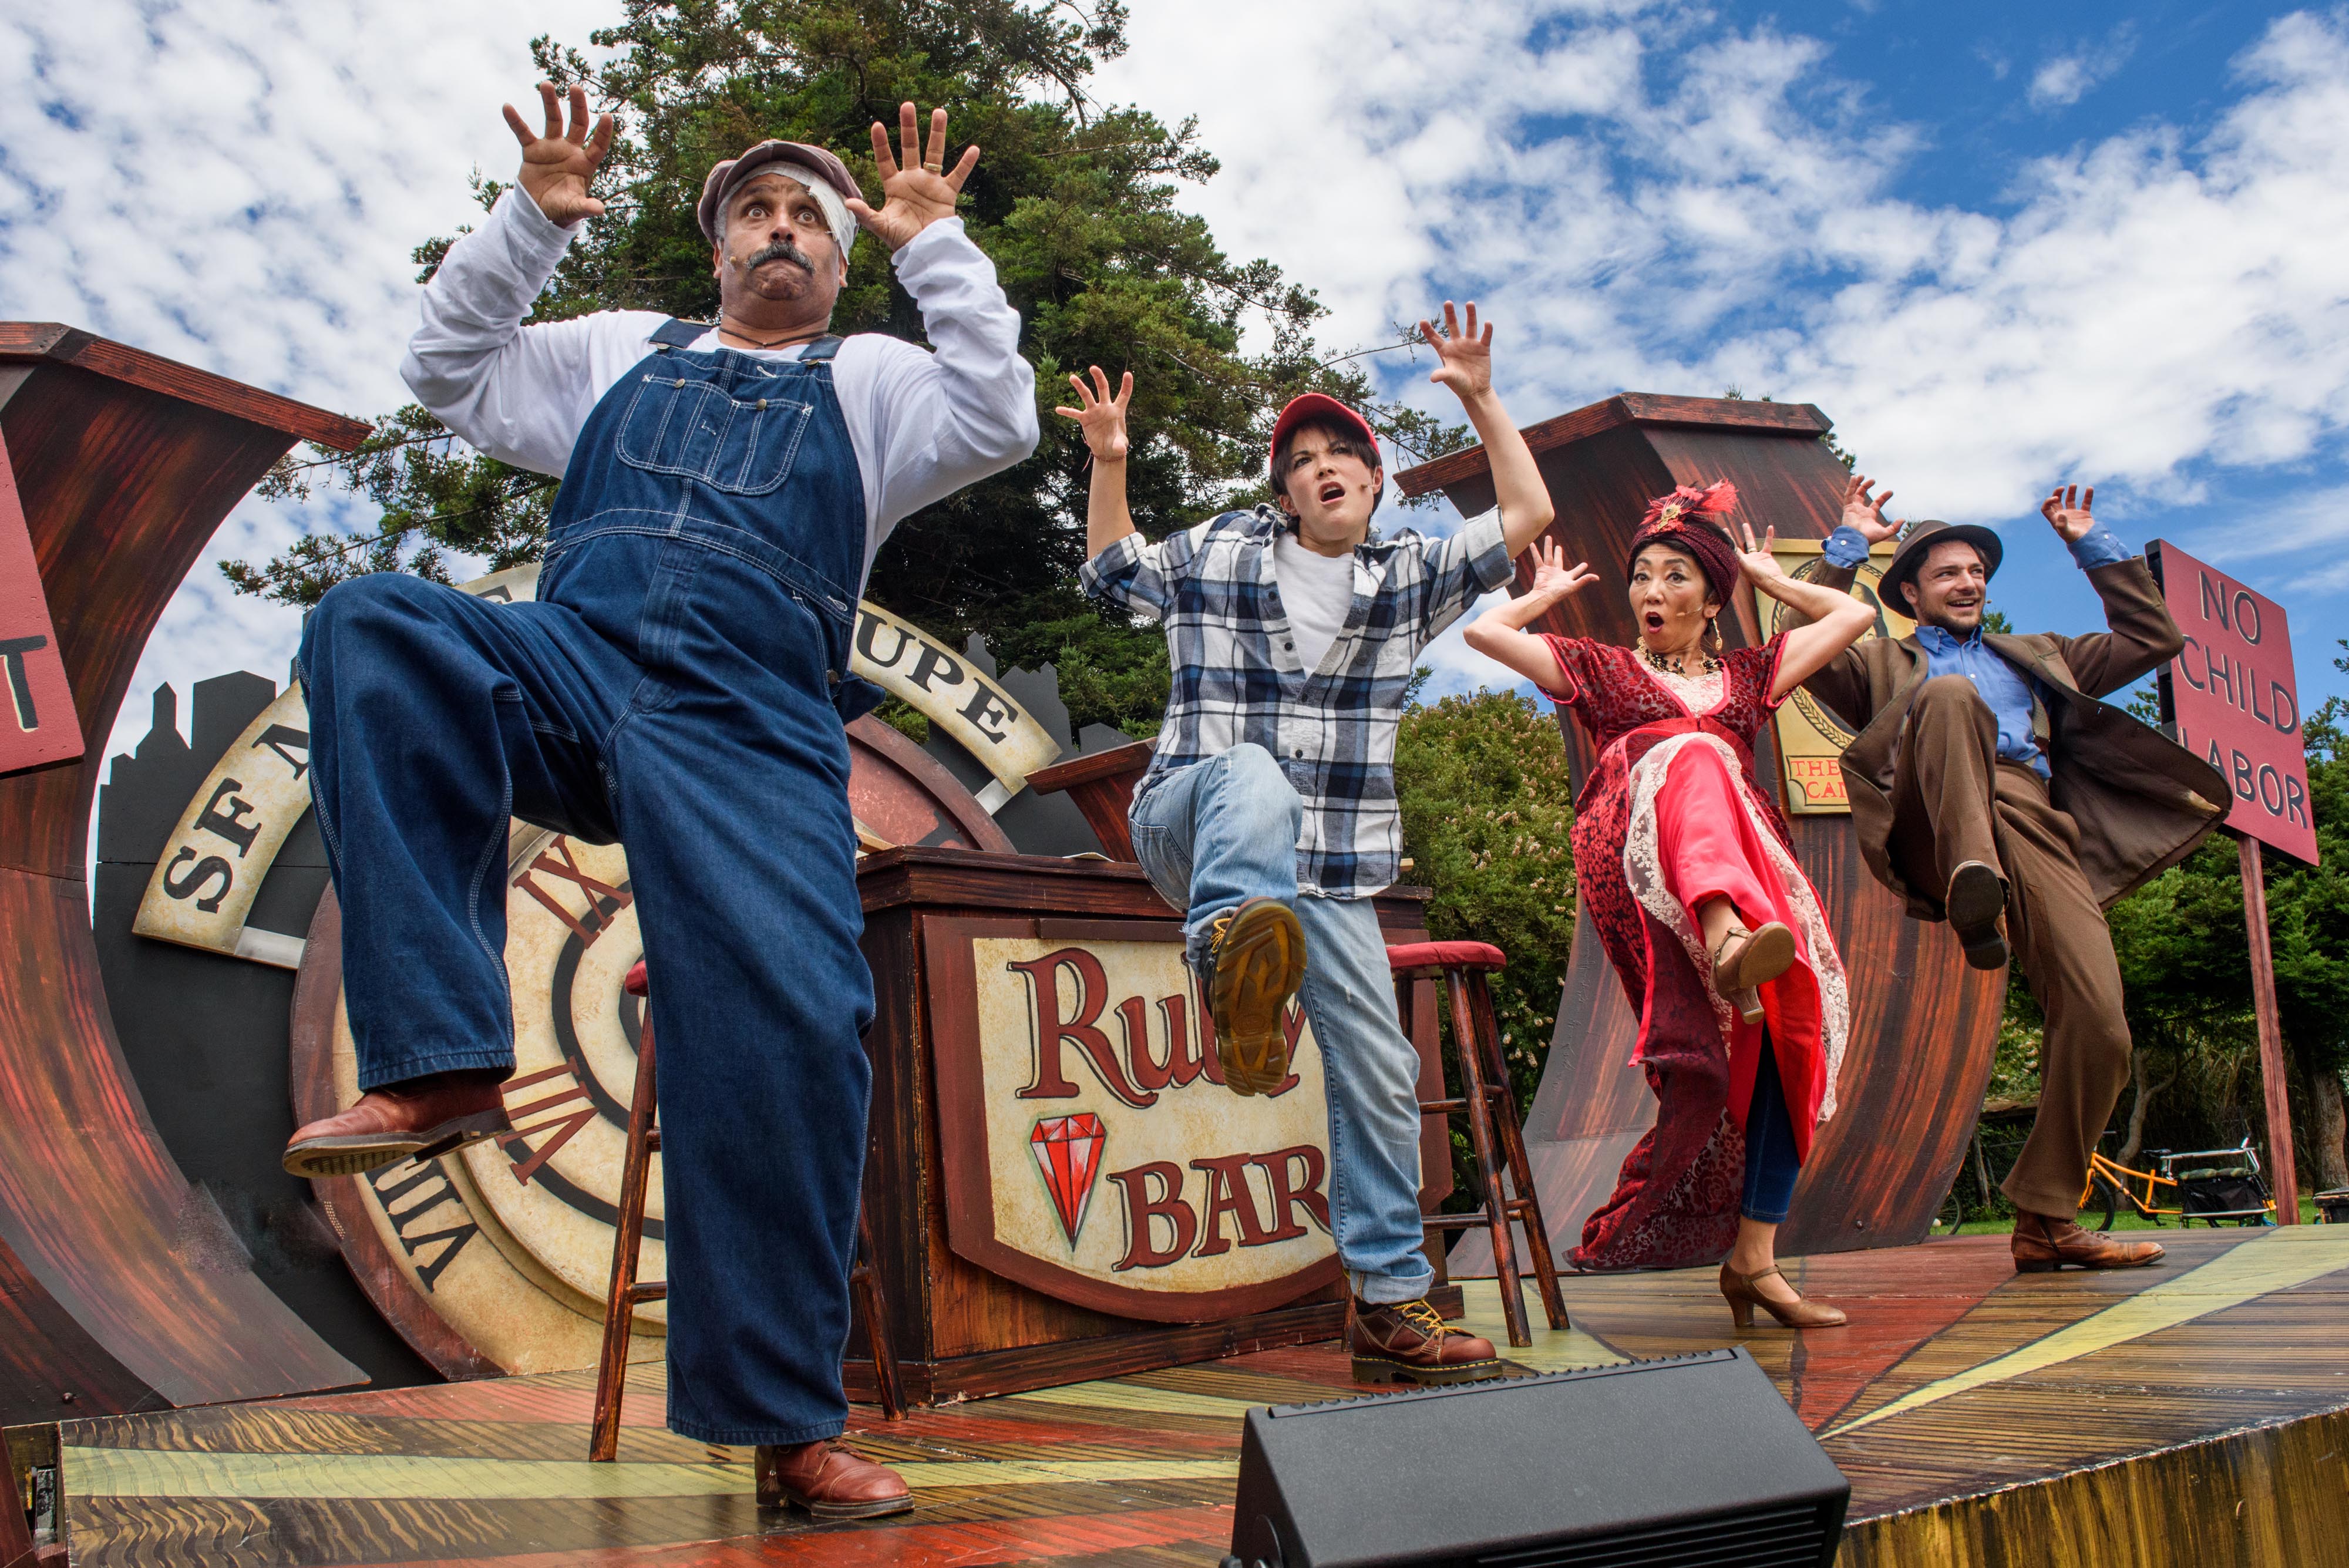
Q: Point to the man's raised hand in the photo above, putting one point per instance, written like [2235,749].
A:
[1101,416]
[2068,510]
[916,186]
[1866,513]
[1553,578]
[1467,357]
[557,166]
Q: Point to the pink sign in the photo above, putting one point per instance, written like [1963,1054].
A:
[2233,698]
[38,727]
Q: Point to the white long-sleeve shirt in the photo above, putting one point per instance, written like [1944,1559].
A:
[923,425]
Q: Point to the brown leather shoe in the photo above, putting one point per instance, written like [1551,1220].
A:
[830,1480]
[1977,909]
[1259,961]
[421,1119]
[1737,1290]
[1409,1341]
[2041,1245]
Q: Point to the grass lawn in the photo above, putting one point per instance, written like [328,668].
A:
[2124,1220]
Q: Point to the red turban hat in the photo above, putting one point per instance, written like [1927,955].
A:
[1684,519]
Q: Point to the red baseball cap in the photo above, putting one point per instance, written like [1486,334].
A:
[1318,405]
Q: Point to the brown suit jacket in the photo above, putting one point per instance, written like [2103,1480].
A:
[2142,801]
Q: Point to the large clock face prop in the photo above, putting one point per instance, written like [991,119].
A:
[497,1260]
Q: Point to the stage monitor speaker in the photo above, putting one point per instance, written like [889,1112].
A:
[1695,1460]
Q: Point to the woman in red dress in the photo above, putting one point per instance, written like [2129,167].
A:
[1690,877]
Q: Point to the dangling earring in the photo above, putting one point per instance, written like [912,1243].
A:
[1711,642]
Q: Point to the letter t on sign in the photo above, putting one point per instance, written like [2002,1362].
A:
[38,726]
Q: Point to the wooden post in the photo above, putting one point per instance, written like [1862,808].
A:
[2283,1176]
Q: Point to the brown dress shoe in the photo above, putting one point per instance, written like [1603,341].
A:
[421,1119]
[1977,911]
[830,1480]
[1259,961]
[1746,960]
[1409,1341]
[2041,1245]
[1737,1290]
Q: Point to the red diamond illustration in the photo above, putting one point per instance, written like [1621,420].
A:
[1069,1150]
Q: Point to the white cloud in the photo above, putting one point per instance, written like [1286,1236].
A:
[1638,194]
[2066,78]
[238,185]
[1642,201]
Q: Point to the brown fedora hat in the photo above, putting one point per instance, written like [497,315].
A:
[1919,539]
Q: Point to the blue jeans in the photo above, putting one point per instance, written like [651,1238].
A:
[1771,1166]
[1223,830]
[674,687]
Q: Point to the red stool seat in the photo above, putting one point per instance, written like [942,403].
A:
[1447,955]
[636,985]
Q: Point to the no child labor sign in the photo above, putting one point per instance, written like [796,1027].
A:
[2233,700]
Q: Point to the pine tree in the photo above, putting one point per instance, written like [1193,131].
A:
[1075,201]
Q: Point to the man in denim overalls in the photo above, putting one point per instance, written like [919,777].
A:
[678,685]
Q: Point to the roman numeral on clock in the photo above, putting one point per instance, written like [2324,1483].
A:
[563,1125]
[603,900]
[433,1184]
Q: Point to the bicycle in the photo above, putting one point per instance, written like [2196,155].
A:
[2233,1190]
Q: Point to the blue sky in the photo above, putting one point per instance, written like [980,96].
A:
[2002,245]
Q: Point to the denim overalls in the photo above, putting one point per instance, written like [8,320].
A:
[678,685]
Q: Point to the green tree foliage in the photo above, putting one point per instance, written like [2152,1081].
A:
[1074,200]
[2183,947]
[1488,812]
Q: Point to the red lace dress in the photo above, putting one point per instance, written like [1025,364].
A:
[1671,814]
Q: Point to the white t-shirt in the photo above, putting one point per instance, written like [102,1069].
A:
[923,425]
[1316,590]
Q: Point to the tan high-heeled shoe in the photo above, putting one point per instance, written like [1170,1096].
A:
[1738,1290]
[1765,955]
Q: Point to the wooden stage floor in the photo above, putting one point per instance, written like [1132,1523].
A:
[2194,1413]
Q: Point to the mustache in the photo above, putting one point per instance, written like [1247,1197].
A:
[780,249]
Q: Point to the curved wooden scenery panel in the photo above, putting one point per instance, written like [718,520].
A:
[124,1288]
[1923,1024]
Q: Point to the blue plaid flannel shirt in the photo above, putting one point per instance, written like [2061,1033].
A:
[1237,679]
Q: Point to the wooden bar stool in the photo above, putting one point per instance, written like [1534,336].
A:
[1492,1118]
[627,1290]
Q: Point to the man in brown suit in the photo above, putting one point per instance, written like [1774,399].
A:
[1990,787]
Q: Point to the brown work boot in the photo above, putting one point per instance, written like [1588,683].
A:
[1256,962]
[830,1480]
[2043,1244]
[1410,1343]
[1977,909]
[421,1119]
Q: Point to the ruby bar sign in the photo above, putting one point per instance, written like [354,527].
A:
[2231,696]
[38,727]
[1090,1147]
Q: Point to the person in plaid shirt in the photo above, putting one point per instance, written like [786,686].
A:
[1268,812]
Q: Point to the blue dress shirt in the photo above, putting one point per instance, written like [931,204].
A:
[2004,689]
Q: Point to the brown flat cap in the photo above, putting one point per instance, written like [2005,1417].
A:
[732,171]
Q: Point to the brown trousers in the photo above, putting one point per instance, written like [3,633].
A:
[1954,800]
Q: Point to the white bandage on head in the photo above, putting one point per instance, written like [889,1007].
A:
[836,216]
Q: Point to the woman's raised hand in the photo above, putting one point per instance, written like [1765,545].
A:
[1553,578]
[1102,417]
[1756,561]
[1464,357]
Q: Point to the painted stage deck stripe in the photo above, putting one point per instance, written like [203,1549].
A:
[1128,1396]
[2278,1260]
[134,1473]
